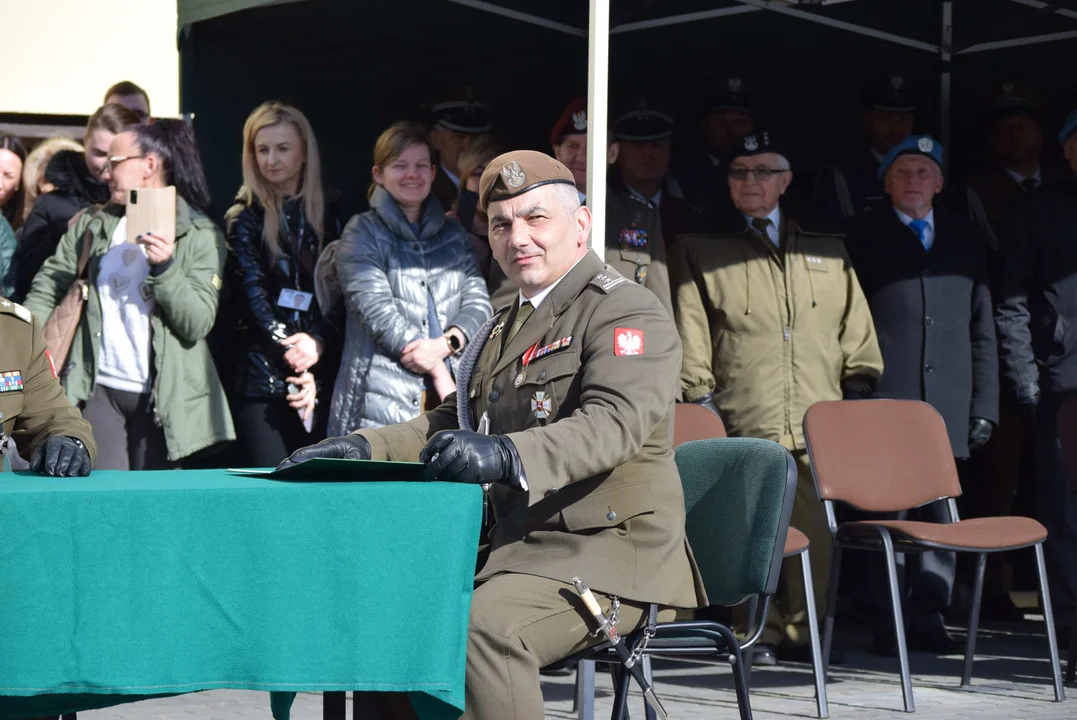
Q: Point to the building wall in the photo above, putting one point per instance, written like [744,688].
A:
[64,54]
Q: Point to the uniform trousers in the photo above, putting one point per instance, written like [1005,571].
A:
[519,624]
[787,619]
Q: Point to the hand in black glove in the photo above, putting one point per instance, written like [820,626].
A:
[854,389]
[707,401]
[61,456]
[979,432]
[346,447]
[468,457]
[1028,398]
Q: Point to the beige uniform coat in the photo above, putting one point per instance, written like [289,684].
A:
[591,416]
[33,406]
[771,332]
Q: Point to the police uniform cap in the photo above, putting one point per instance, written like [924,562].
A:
[643,123]
[517,172]
[924,145]
[889,92]
[573,121]
[760,142]
[463,116]
[733,93]
[1068,128]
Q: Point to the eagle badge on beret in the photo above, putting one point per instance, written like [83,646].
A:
[513,174]
[579,120]
[925,145]
[896,82]
[751,143]
[734,84]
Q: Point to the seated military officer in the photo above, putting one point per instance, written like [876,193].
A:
[572,390]
[33,408]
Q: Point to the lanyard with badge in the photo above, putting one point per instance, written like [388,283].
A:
[295,299]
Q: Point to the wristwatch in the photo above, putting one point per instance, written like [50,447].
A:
[455,346]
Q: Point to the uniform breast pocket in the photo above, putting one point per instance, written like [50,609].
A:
[609,508]
[548,384]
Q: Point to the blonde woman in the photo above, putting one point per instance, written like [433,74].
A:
[277,228]
[414,293]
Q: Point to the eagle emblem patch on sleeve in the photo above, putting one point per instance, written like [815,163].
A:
[627,341]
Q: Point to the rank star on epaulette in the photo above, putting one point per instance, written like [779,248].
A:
[10,381]
[633,237]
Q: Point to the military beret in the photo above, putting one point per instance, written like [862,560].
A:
[760,142]
[463,116]
[1068,128]
[643,123]
[732,94]
[517,172]
[889,92]
[573,121]
[1016,99]
[912,145]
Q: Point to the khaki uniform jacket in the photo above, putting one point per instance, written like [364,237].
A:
[33,406]
[771,332]
[592,421]
[630,220]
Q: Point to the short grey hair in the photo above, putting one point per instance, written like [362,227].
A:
[783,163]
[568,196]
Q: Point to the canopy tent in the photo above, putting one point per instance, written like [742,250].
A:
[811,55]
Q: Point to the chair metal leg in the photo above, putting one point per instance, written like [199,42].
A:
[648,673]
[621,679]
[585,690]
[831,606]
[334,706]
[899,620]
[1048,615]
[813,631]
[974,618]
[736,662]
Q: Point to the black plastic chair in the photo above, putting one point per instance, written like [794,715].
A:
[738,496]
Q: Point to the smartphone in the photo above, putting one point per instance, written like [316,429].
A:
[151,210]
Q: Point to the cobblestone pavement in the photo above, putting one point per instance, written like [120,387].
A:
[1011,679]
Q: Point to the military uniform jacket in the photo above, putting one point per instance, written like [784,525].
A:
[591,416]
[634,244]
[770,332]
[33,406]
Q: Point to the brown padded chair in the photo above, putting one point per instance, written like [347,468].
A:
[1067,434]
[890,456]
[695,422]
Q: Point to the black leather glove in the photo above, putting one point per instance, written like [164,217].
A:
[707,401]
[468,457]
[345,447]
[61,456]
[979,432]
[1028,398]
[856,389]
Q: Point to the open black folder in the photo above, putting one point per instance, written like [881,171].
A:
[333,470]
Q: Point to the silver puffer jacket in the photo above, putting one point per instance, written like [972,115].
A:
[386,275]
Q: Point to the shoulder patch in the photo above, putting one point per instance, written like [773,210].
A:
[15,309]
[607,279]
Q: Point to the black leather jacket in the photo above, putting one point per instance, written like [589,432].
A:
[257,281]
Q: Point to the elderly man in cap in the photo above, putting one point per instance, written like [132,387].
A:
[924,274]
[772,319]
[644,134]
[1037,321]
[634,243]
[565,408]
[454,125]
[852,187]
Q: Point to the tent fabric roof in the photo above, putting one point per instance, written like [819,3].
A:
[192,11]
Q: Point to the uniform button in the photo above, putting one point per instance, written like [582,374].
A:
[97,334]
[611,516]
[493,396]
[550,491]
[929,321]
[928,369]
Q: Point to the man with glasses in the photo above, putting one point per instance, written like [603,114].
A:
[772,320]
[924,273]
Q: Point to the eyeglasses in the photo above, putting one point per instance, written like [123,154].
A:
[760,173]
[117,159]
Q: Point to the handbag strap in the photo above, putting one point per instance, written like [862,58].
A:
[84,254]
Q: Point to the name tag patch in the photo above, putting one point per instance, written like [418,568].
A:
[295,299]
[10,381]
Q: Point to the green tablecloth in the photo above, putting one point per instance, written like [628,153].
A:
[123,586]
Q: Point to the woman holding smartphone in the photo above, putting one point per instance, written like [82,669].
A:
[139,365]
[276,230]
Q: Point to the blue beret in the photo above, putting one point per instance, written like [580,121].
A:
[912,145]
[1068,128]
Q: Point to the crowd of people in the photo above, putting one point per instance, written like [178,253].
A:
[288,323]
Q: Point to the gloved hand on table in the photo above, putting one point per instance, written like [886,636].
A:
[61,456]
[469,457]
[346,447]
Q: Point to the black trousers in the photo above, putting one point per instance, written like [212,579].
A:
[269,430]
[123,426]
[1056,507]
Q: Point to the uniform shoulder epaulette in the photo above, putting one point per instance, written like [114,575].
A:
[607,279]
[13,308]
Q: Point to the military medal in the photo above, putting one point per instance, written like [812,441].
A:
[541,405]
[641,274]
[10,381]
[520,379]
[528,356]
[497,330]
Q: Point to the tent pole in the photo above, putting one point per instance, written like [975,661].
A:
[946,54]
[598,66]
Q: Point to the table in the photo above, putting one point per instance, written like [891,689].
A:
[122,586]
